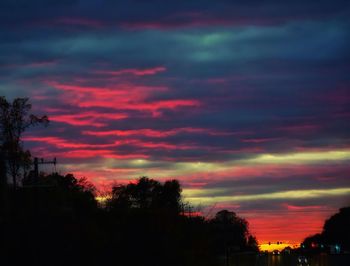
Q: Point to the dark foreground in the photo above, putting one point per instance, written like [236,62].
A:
[287,260]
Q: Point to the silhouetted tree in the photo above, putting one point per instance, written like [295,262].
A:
[253,243]
[144,192]
[336,230]
[153,223]
[147,194]
[55,224]
[14,120]
[169,197]
[229,231]
[59,223]
[58,193]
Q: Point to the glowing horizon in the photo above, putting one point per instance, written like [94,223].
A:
[247,106]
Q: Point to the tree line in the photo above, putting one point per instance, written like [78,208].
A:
[54,219]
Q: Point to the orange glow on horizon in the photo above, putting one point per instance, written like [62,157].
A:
[280,247]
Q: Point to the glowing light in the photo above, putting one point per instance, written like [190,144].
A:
[103,199]
[139,162]
[274,246]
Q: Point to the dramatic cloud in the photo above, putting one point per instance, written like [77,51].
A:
[247,104]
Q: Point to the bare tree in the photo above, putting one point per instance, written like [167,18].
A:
[14,120]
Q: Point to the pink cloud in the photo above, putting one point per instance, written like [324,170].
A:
[62,143]
[133,71]
[303,208]
[92,119]
[82,151]
[156,133]
[86,153]
[120,97]
[338,97]
[260,140]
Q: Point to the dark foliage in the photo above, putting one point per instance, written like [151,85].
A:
[336,229]
[57,221]
[231,232]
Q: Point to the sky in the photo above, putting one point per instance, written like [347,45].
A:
[247,103]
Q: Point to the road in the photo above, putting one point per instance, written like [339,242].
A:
[289,260]
[313,260]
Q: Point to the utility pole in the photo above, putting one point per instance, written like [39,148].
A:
[38,161]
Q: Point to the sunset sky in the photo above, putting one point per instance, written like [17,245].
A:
[247,104]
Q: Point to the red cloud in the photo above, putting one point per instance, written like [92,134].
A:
[303,208]
[82,151]
[62,143]
[121,97]
[156,145]
[156,133]
[72,149]
[87,119]
[87,153]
